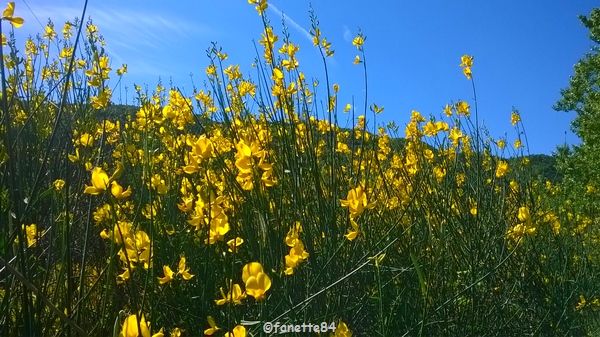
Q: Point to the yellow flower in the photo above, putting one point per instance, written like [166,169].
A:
[211,70]
[501,143]
[351,235]
[261,6]
[58,184]
[159,184]
[342,330]
[448,110]
[581,304]
[463,108]
[99,182]
[213,326]
[67,30]
[91,29]
[66,52]
[31,233]
[234,244]
[376,109]
[517,144]
[219,226]
[515,118]
[117,191]
[467,72]
[358,41]
[182,270]
[466,62]
[168,275]
[356,60]
[455,136]
[101,101]
[238,331]
[277,75]
[257,282]
[8,15]
[356,201]
[86,140]
[123,277]
[501,169]
[439,172]
[131,328]
[203,148]
[176,332]
[235,295]
[297,255]
[74,157]
[122,70]
[524,215]
[49,32]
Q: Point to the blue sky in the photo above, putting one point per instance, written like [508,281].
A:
[524,50]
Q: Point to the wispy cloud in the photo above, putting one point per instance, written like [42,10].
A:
[347,34]
[128,31]
[128,25]
[291,22]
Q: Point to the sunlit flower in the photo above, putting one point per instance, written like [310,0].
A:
[463,108]
[358,41]
[581,303]
[176,332]
[49,32]
[523,214]
[517,144]
[501,169]
[238,331]
[8,15]
[342,330]
[100,182]
[466,62]
[235,295]
[131,328]
[356,201]
[168,275]
[31,234]
[183,270]
[515,118]
[58,184]
[122,70]
[101,101]
[256,280]
[118,192]
[261,6]
[212,326]
[234,244]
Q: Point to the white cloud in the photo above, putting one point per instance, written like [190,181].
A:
[127,31]
[347,34]
[291,22]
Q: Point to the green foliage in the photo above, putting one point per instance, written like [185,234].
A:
[433,234]
[583,97]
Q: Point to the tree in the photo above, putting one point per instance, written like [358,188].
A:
[580,165]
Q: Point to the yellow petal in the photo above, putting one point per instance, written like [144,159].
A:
[159,333]
[9,10]
[91,190]
[264,282]
[251,269]
[16,21]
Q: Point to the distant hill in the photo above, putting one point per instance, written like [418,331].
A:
[542,166]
